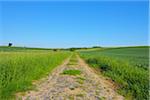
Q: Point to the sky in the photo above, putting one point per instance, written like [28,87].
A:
[63,24]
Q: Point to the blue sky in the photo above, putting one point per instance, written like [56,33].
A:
[74,24]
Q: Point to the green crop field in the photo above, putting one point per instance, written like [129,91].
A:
[19,67]
[128,67]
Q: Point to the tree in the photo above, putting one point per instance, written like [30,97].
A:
[96,47]
[10,44]
[55,49]
[72,49]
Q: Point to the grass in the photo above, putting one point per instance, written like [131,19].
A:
[19,69]
[19,49]
[128,67]
[80,80]
[72,72]
[73,60]
[80,95]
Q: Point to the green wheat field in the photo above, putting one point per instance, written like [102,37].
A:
[128,67]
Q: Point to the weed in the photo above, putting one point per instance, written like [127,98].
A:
[72,72]
[80,95]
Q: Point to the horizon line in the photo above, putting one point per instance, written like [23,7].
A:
[79,47]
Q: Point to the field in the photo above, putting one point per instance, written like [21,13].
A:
[20,67]
[128,67]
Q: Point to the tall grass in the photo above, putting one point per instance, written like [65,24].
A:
[133,80]
[19,69]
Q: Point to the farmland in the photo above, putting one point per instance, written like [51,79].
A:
[19,68]
[128,67]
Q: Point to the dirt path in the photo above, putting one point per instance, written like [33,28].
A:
[86,86]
